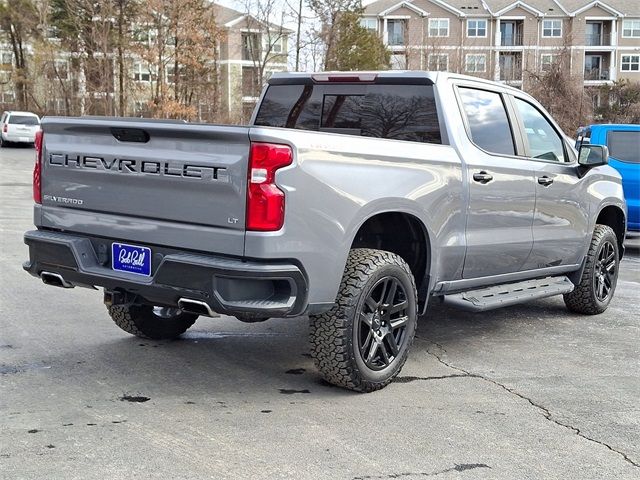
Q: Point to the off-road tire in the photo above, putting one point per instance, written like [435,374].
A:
[583,298]
[333,334]
[141,321]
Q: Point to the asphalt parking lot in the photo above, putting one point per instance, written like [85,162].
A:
[528,392]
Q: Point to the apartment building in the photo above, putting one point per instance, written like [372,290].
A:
[502,40]
[248,52]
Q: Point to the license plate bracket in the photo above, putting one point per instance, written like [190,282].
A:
[131,259]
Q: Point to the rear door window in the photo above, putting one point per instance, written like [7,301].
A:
[399,112]
[624,146]
[23,120]
[488,122]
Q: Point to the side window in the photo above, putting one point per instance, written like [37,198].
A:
[624,146]
[488,122]
[544,141]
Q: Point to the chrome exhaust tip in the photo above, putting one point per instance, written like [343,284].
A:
[196,306]
[55,279]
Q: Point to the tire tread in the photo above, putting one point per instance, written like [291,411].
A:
[329,331]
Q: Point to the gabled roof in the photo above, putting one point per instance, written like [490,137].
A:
[229,18]
[386,7]
[520,4]
[602,5]
[226,15]
[405,4]
[551,8]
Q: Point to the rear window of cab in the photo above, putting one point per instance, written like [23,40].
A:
[398,112]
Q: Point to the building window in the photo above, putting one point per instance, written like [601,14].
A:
[438,62]
[369,23]
[250,83]
[546,62]
[143,34]
[395,32]
[170,74]
[141,109]
[56,106]
[631,28]
[630,63]
[250,46]
[276,45]
[552,28]
[476,28]
[398,62]
[476,63]
[141,72]
[62,69]
[438,27]
[8,97]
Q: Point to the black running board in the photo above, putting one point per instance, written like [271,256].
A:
[508,294]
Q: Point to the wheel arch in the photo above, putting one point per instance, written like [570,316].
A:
[614,217]
[404,234]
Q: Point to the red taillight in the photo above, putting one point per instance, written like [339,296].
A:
[37,169]
[4,128]
[265,201]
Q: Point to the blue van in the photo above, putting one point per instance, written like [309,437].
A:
[623,141]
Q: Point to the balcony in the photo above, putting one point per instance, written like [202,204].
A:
[597,39]
[513,40]
[513,74]
[396,33]
[510,67]
[596,74]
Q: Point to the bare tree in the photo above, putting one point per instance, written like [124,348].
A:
[264,41]
[18,22]
[178,44]
[560,92]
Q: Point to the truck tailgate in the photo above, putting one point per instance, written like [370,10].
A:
[141,175]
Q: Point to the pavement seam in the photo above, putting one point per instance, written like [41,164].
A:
[545,411]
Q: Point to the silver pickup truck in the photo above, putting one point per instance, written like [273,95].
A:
[352,198]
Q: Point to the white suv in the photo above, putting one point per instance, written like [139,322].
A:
[19,127]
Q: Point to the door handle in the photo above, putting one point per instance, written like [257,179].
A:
[545,181]
[482,177]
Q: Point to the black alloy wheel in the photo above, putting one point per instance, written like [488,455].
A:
[605,271]
[382,324]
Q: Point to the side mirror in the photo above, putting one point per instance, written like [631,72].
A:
[593,155]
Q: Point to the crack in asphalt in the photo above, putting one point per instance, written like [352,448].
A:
[461,467]
[410,378]
[545,411]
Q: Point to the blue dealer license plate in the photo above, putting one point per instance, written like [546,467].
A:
[131,259]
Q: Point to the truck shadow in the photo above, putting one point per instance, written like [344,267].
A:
[220,358]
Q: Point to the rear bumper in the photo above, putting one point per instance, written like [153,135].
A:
[19,138]
[229,286]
